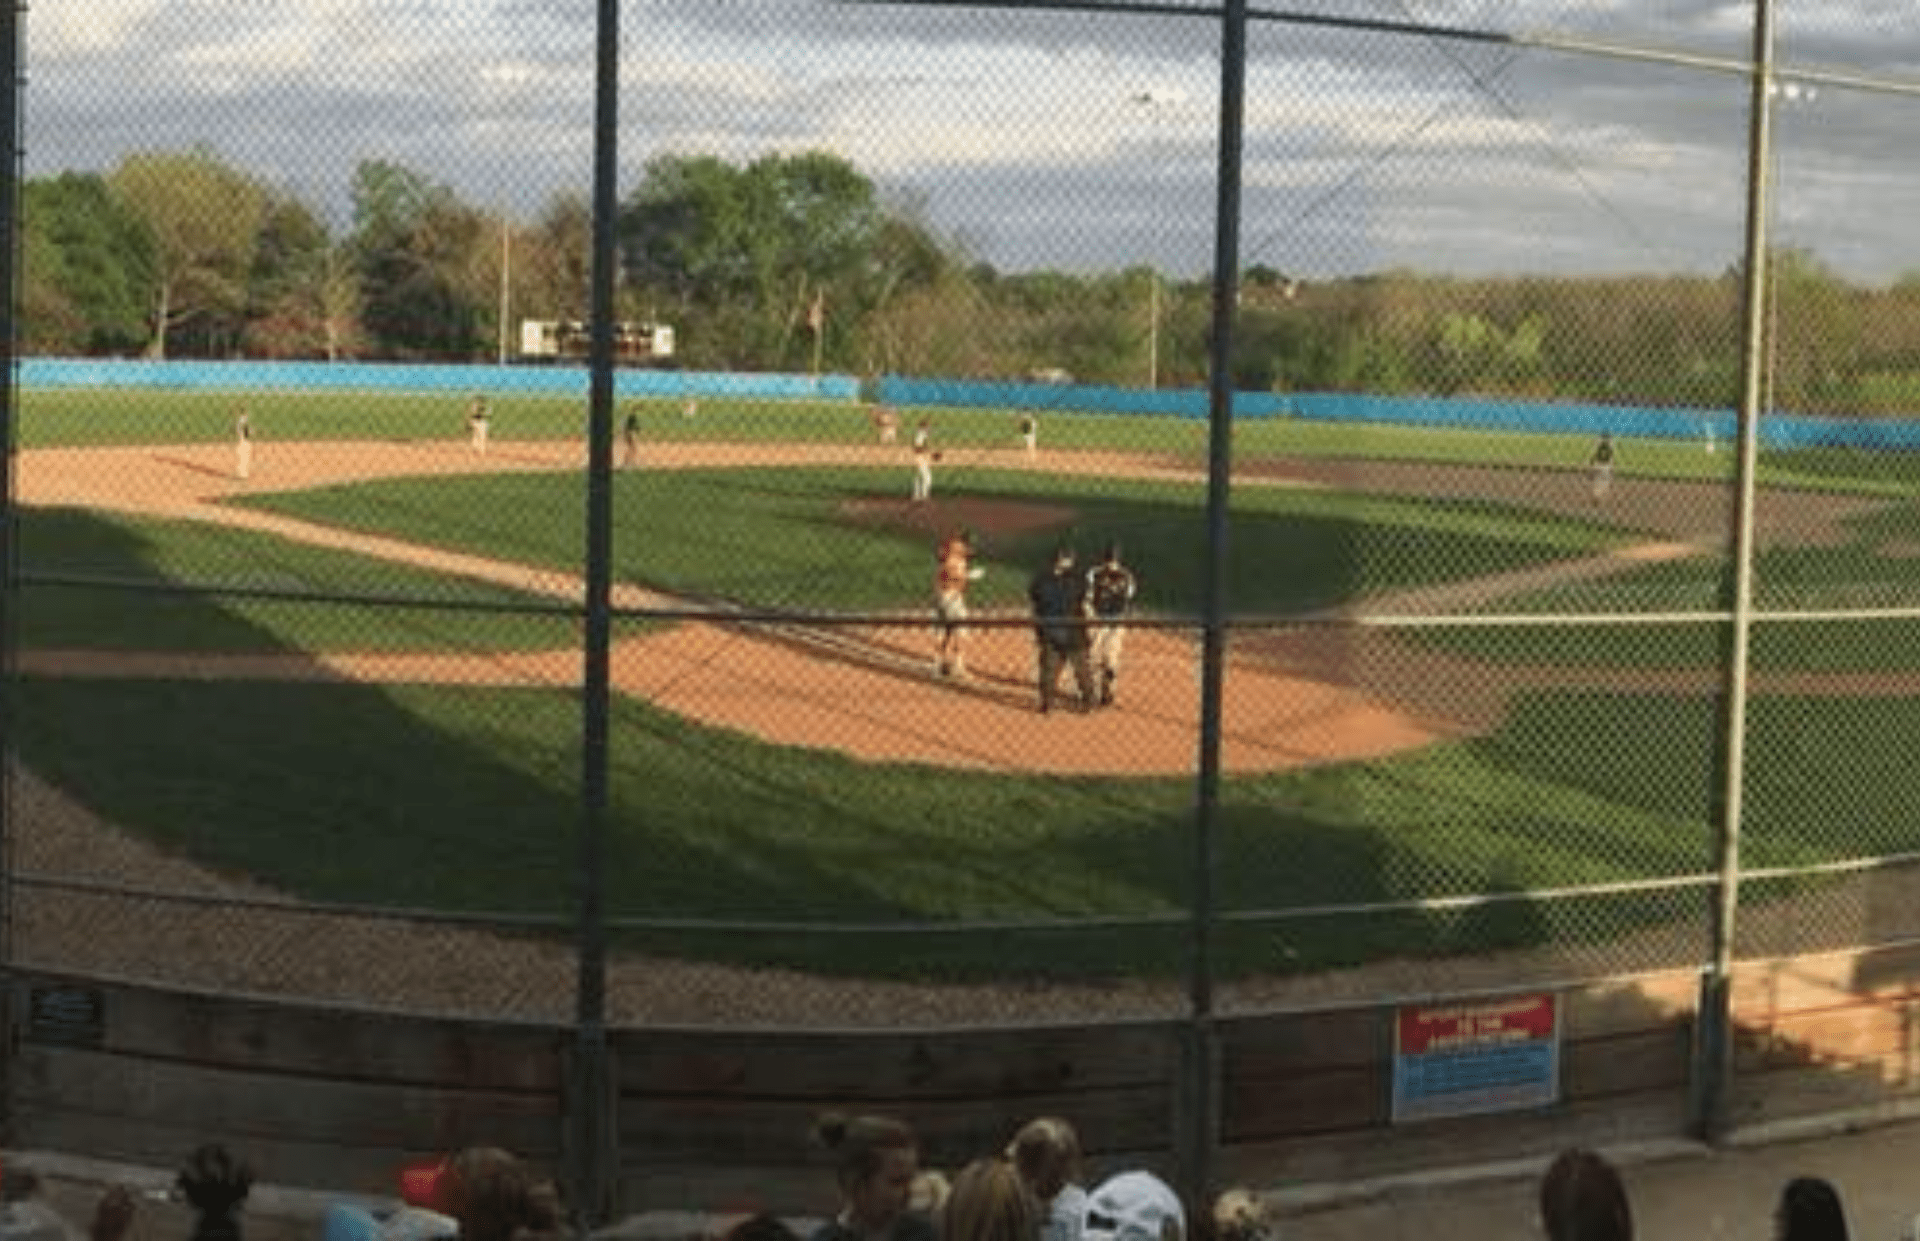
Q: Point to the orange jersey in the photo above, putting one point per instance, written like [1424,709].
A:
[953,559]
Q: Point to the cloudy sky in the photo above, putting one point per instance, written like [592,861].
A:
[1050,139]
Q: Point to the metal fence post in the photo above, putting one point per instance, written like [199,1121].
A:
[10,166]
[1713,1061]
[593,1125]
[1200,1120]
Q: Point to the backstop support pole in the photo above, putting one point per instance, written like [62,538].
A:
[1713,1061]
[590,1114]
[1200,1091]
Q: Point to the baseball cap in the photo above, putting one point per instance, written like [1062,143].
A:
[1133,1206]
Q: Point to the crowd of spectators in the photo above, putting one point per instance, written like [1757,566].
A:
[1031,1190]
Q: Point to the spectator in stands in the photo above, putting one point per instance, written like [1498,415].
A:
[1046,1153]
[1583,1199]
[113,1215]
[990,1202]
[875,1162]
[761,1227]
[930,1192]
[1810,1211]
[215,1185]
[496,1195]
[1239,1215]
[1133,1206]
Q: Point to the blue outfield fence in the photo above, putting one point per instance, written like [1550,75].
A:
[1781,431]
[1456,413]
[557,380]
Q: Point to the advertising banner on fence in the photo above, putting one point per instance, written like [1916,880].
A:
[1461,1059]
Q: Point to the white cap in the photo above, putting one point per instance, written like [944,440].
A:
[1133,1206]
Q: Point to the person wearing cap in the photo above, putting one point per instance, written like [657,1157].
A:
[1133,1206]
[953,570]
[1111,586]
[1059,597]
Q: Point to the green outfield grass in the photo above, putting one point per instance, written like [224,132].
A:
[1875,567]
[467,799]
[119,572]
[778,537]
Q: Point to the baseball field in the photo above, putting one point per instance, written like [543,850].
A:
[353,677]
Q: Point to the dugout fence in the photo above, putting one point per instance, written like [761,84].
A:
[572,769]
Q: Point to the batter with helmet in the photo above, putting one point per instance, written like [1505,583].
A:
[953,570]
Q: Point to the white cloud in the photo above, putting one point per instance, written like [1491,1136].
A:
[1017,127]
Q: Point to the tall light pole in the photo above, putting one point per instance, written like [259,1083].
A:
[506,282]
[1794,94]
[1156,101]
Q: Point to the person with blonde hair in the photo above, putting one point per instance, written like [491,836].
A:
[876,1160]
[990,1202]
[1046,1153]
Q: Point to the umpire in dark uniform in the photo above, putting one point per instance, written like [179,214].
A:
[1059,598]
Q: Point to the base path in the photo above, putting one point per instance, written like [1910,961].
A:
[871,694]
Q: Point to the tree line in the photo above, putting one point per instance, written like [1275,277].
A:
[791,262]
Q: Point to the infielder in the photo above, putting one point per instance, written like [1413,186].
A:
[630,440]
[1111,586]
[1030,435]
[953,570]
[477,425]
[923,459]
[1601,466]
[242,443]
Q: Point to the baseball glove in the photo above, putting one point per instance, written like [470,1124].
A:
[939,456]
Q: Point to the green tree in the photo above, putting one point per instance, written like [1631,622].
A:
[427,264]
[305,298]
[745,255]
[89,266]
[204,220]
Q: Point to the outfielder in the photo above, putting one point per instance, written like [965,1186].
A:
[953,570]
[1029,434]
[1111,586]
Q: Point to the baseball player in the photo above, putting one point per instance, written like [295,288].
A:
[923,458]
[630,439]
[1601,467]
[1059,597]
[1029,434]
[1111,586]
[887,423]
[242,443]
[477,420]
[953,570]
